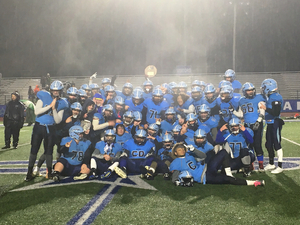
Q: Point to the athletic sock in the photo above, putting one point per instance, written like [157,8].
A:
[280,157]
[228,172]
[41,161]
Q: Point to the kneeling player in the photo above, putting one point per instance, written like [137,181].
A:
[73,149]
[138,154]
[105,156]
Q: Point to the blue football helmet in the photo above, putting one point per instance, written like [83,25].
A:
[107,107]
[56,86]
[157,96]
[109,88]
[229,74]
[105,81]
[128,117]
[185,179]
[203,109]
[72,91]
[196,93]
[226,93]
[192,120]
[141,134]
[169,111]
[224,83]
[119,100]
[200,134]
[129,86]
[85,87]
[81,93]
[110,136]
[208,90]
[233,123]
[75,131]
[154,128]
[94,86]
[137,116]
[177,128]
[168,141]
[76,106]
[137,94]
[148,83]
[182,84]
[269,86]
[248,87]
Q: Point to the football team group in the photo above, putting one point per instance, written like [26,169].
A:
[196,134]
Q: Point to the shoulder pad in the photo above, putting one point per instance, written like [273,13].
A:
[45,96]
[62,104]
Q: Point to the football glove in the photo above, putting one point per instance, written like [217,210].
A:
[256,125]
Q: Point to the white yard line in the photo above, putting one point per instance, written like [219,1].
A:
[290,141]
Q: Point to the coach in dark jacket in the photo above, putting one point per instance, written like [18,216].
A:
[13,120]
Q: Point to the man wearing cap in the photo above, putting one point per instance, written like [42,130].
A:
[98,99]
[13,120]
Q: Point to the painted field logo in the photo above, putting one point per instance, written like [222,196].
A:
[94,207]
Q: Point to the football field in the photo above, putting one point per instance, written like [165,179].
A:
[137,201]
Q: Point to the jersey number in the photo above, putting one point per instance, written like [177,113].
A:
[191,165]
[235,145]
[80,155]
[153,113]
[247,108]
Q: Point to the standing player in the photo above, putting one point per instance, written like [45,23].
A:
[155,107]
[253,118]
[273,108]
[47,116]
[230,76]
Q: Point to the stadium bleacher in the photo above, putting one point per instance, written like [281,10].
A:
[287,82]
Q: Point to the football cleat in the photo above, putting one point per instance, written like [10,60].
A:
[261,167]
[29,177]
[277,170]
[269,167]
[55,176]
[36,172]
[106,174]
[5,147]
[121,172]
[247,174]
[259,183]
[93,175]
[149,175]
[80,176]
[167,176]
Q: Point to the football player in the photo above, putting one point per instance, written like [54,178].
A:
[238,138]
[73,148]
[138,153]
[253,118]
[273,108]
[49,111]
[186,169]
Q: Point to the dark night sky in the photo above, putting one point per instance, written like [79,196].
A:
[79,37]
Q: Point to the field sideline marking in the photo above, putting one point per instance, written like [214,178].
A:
[293,142]
[290,141]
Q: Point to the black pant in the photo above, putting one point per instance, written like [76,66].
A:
[12,129]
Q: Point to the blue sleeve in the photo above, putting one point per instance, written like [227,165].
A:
[220,139]
[248,136]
